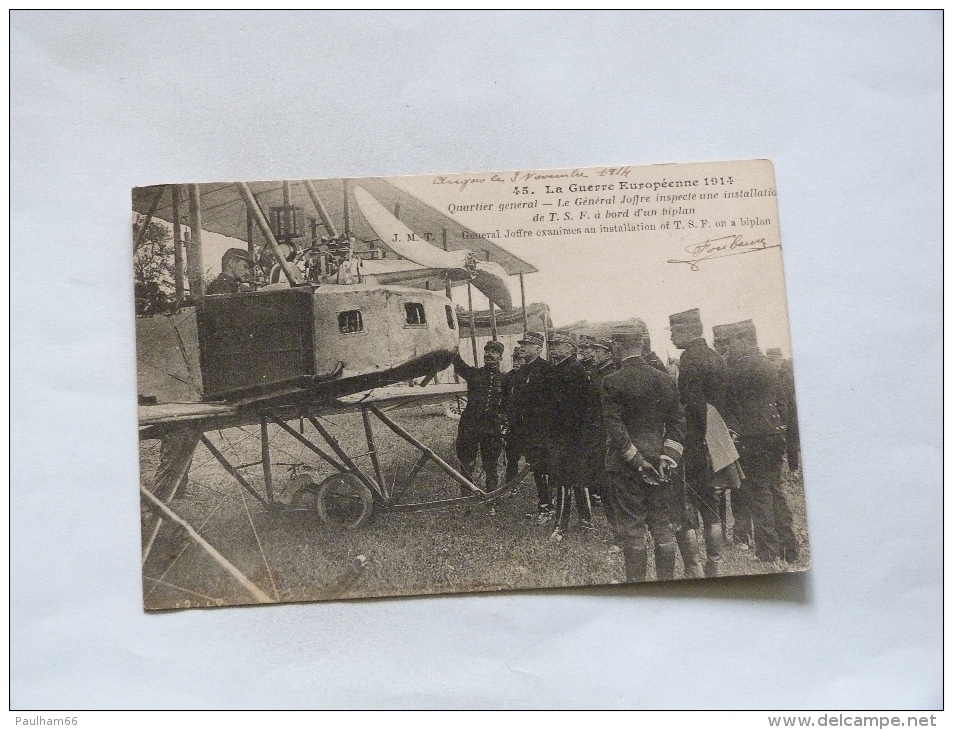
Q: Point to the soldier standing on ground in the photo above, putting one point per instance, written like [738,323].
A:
[753,415]
[571,434]
[481,425]
[702,381]
[529,409]
[646,427]
[787,407]
[650,357]
[741,531]
[512,446]
[601,363]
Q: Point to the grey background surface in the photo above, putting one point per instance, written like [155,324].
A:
[846,104]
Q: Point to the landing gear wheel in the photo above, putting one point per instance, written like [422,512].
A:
[344,502]
[456,408]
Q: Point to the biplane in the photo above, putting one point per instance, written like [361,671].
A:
[356,318]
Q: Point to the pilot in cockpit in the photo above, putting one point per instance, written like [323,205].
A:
[237,273]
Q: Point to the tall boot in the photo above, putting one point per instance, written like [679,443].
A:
[584,505]
[688,546]
[512,471]
[466,468]
[563,508]
[665,560]
[715,545]
[543,495]
[636,563]
[492,478]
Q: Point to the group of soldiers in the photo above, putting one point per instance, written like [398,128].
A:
[604,421]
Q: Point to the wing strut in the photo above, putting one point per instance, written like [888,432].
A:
[196,266]
[290,271]
[319,206]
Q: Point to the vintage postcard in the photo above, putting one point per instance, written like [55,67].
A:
[463,382]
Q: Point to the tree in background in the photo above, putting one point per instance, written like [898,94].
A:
[153,260]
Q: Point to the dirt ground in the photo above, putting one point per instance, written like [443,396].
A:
[292,556]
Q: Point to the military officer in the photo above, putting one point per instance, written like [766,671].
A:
[511,445]
[720,339]
[702,381]
[237,273]
[741,533]
[481,425]
[646,426]
[650,357]
[601,363]
[572,431]
[529,409]
[787,407]
[753,415]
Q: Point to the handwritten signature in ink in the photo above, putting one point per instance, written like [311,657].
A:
[718,248]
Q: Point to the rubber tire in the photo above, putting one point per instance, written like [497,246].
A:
[350,486]
[456,407]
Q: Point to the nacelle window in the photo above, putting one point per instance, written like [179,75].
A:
[350,322]
[450,319]
[414,313]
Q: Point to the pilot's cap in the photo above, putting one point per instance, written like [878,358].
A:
[532,338]
[495,346]
[235,253]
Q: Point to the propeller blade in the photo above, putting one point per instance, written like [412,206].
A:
[401,240]
[491,279]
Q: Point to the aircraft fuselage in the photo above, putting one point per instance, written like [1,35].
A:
[320,342]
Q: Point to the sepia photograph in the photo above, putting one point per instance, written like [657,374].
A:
[521,379]
[475,359]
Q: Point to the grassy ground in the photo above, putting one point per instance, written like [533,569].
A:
[291,555]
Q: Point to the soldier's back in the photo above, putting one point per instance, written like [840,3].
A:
[753,393]
[645,400]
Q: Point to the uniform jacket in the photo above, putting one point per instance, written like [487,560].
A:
[641,409]
[596,457]
[574,420]
[656,362]
[702,379]
[484,413]
[752,396]
[787,405]
[223,284]
[596,376]
[528,403]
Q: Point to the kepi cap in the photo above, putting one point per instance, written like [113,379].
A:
[688,318]
[721,331]
[557,337]
[532,338]
[634,328]
[744,330]
[494,345]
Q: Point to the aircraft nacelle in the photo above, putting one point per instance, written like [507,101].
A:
[326,341]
